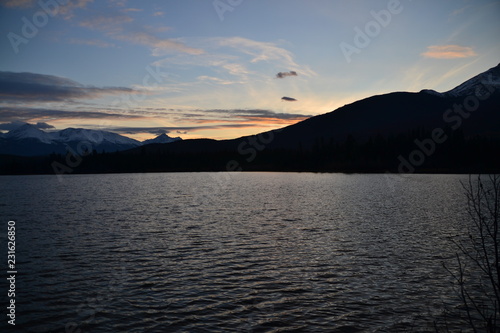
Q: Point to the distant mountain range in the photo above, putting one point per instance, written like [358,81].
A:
[29,140]
[428,131]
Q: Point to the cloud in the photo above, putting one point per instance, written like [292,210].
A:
[115,27]
[460,11]
[68,9]
[229,117]
[91,42]
[282,75]
[288,99]
[19,3]
[217,62]
[110,25]
[126,10]
[15,124]
[42,125]
[245,118]
[136,130]
[159,46]
[262,51]
[31,87]
[259,114]
[12,125]
[235,56]
[65,10]
[448,52]
[118,3]
[217,80]
[179,130]
[156,28]
[13,114]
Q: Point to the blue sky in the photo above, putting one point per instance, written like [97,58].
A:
[196,68]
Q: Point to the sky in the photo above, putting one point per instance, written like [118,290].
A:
[227,68]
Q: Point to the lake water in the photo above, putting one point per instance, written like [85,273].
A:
[241,252]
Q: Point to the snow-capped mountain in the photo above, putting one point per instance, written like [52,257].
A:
[162,138]
[480,85]
[28,131]
[92,136]
[29,140]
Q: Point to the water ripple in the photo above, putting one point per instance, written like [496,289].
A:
[259,253]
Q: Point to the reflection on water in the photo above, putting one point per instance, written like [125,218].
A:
[233,251]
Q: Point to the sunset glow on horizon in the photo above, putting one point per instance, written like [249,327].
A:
[224,69]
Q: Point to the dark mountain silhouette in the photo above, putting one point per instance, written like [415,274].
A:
[428,131]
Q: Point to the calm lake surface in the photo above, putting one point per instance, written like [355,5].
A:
[240,252]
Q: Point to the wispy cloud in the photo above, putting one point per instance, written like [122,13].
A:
[19,3]
[236,60]
[288,99]
[127,10]
[116,27]
[156,28]
[460,11]
[160,46]
[219,62]
[235,55]
[259,114]
[12,114]
[176,129]
[263,51]
[137,130]
[15,124]
[205,78]
[65,10]
[448,52]
[31,87]
[425,75]
[110,25]
[226,117]
[118,3]
[91,42]
[217,116]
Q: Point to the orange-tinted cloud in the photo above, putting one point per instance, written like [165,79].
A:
[448,52]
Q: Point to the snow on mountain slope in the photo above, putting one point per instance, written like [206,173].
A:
[480,85]
[162,138]
[28,131]
[92,136]
[29,140]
